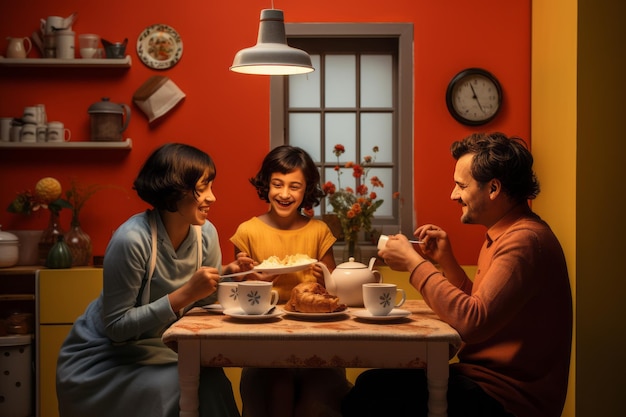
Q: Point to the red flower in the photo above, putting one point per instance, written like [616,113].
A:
[373,195]
[396,195]
[367,159]
[357,171]
[376,182]
[361,189]
[329,188]
[339,149]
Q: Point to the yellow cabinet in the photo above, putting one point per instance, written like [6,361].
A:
[61,296]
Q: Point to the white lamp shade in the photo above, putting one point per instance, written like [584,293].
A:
[271,55]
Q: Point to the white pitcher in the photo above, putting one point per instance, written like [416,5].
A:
[18,47]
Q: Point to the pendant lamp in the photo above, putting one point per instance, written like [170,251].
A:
[271,55]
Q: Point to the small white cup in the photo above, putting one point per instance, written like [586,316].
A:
[256,297]
[28,133]
[31,114]
[228,294]
[88,44]
[57,132]
[382,242]
[380,298]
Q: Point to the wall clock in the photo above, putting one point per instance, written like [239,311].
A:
[474,96]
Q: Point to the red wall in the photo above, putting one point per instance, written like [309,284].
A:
[227,114]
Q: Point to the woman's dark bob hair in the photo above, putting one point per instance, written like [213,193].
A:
[170,172]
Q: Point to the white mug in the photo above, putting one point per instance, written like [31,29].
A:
[30,114]
[51,24]
[5,129]
[228,294]
[42,132]
[15,133]
[57,132]
[65,41]
[380,298]
[28,133]
[256,297]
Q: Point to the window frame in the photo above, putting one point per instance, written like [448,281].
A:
[403,32]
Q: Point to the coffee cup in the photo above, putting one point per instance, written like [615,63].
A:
[57,132]
[256,297]
[5,129]
[228,294]
[30,114]
[52,24]
[382,242]
[15,132]
[380,298]
[28,133]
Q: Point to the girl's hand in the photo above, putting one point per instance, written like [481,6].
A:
[241,264]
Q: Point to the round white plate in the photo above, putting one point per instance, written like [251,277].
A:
[284,269]
[395,314]
[214,308]
[316,316]
[238,313]
[159,46]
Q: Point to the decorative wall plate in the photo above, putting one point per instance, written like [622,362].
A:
[159,46]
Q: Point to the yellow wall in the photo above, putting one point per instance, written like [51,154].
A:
[578,89]
[553,129]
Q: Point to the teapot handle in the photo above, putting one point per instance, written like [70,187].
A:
[127,118]
[378,275]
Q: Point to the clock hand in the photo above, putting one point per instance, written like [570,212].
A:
[475,97]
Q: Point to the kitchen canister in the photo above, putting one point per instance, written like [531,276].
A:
[9,249]
[16,375]
[65,44]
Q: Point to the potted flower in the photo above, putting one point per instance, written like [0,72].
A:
[355,208]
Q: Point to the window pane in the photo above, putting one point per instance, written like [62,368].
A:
[376,81]
[341,129]
[385,193]
[304,131]
[304,89]
[377,130]
[340,83]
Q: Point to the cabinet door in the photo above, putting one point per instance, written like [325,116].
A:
[50,339]
[63,294]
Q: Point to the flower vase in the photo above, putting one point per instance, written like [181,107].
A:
[59,255]
[49,236]
[352,249]
[79,243]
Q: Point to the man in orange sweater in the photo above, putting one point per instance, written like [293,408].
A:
[515,317]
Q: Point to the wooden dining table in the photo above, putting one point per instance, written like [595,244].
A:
[204,337]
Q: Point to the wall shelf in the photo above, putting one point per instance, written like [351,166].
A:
[126,144]
[66,63]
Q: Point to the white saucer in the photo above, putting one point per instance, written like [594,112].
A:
[238,313]
[394,314]
[214,308]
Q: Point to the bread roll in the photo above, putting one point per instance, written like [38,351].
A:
[311,297]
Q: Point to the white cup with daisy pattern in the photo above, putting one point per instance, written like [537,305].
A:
[380,298]
[256,297]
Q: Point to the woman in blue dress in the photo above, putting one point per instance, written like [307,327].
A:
[158,264]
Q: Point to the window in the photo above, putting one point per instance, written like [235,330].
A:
[360,96]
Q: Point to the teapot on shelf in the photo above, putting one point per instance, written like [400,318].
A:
[108,120]
[346,281]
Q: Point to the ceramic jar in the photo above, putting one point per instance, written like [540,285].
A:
[9,249]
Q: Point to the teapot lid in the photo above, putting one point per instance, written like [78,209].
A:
[105,106]
[6,237]
[351,264]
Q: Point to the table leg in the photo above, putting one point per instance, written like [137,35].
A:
[437,372]
[189,376]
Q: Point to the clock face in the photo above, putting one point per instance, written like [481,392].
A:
[474,97]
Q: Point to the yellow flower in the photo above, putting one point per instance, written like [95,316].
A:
[48,189]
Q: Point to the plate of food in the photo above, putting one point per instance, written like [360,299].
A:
[159,46]
[316,316]
[290,263]
[394,314]
[311,301]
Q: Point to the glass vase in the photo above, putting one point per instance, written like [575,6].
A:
[59,255]
[49,237]
[351,249]
[79,243]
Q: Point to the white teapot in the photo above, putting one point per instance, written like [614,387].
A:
[346,281]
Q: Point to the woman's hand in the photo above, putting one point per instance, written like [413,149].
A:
[201,284]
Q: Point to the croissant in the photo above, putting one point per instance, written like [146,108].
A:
[311,297]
